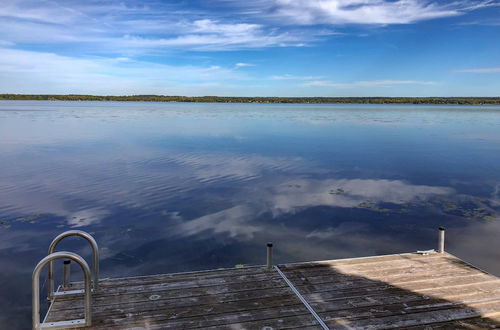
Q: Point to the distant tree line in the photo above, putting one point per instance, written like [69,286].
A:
[228,99]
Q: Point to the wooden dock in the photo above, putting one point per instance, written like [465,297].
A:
[415,291]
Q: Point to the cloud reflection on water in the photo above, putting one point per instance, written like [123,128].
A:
[243,221]
[348,193]
[86,217]
[236,222]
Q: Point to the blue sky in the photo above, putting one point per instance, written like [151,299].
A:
[251,48]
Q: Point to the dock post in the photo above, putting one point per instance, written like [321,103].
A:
[66,273]
[269,256]
[441,240]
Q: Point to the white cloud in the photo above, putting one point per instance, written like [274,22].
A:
[366,83]
[222,40]
[480,70]
[313,12]
[4,43]
[243,65]
[38,72]
[144,27]
[212,26]
[292,77]
[129,29]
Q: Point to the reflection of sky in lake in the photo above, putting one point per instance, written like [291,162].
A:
[173,187]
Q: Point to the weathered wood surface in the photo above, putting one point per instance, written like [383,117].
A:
[435,291]
[411,290]
[248,298]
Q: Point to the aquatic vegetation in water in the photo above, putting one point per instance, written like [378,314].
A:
[450,207]
[31,219]
[79,220]
[472,208]
[369,205]
[468,207]
[338,191]
[476,214]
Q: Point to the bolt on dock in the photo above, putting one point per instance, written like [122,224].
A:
[422,290]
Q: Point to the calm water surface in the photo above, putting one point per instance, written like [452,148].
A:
[168,187]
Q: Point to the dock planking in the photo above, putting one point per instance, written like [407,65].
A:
[413,291]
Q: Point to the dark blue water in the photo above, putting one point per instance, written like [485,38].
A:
[168,187]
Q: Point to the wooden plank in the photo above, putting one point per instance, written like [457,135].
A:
[412,319]
[158,318]
[193,289]
[388,290]
[180,282]
[176,309]
[391,306]
[362,260]
[406,266]
[477,323]
[371,261]
[452,293]
[190,292]
[157,278]
[303,322]
[377,272]
[200,290]
[395,278]
[135,298]
[416,286]
[391,264]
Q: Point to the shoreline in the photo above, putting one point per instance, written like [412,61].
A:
[259,100]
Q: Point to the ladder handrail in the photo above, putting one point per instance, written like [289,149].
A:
[95,257]
[35,282]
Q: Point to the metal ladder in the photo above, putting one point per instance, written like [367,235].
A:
[91,283]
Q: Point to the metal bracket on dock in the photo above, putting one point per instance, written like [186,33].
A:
[87,321]
[68,292]
[425,252]
[64,324]
[302,299]
[95,261]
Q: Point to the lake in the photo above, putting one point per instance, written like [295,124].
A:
[171,187]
